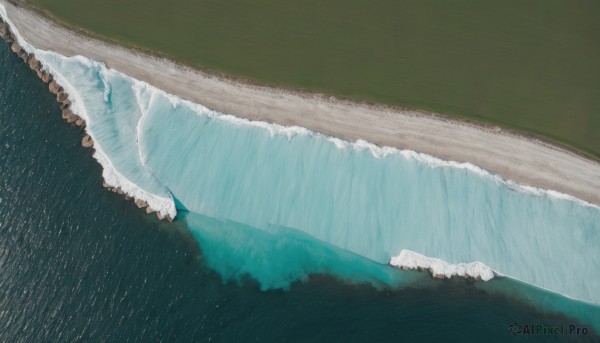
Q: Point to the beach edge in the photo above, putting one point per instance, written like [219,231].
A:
[518,157]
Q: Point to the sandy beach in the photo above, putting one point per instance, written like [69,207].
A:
[516,157]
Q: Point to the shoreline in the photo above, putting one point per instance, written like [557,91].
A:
[514,156]
[438,268]
[480,122]
[69,115]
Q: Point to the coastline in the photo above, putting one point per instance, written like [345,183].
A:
[73,114]
[279,130]
[515,157]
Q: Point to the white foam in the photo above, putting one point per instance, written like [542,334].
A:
[165,206]
[412,260]
[360,145]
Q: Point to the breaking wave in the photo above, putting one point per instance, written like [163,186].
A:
[372,201]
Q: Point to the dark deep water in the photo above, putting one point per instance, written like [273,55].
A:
[78,263]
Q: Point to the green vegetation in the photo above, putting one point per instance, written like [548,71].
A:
[527,64]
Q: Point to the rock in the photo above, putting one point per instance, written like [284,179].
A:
[16,47]
[34,63]
[4,31]
[149,210]
[141,203]
[87,142]
[72,119]
[39,73]
[67,115]
[160,216]
[65,104]
[169,219]
[62,96]
[105,185]
[24,56]
[439,276]
[127,197]
[53,87]
[47,77]
[80,122]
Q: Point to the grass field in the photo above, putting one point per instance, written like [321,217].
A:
[533,65]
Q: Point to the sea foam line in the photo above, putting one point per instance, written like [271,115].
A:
[360,145]
[441,269]
[165,206]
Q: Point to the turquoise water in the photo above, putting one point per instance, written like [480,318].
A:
[79,263]
[367,200]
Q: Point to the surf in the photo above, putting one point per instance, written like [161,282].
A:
[371,201]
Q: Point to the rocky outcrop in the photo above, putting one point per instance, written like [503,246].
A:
[62,98]
[5,31]
[87,142]
[46,77]
[16,47]
[65,104]
[34,64]
[66,114]
[141,203]
[54,87]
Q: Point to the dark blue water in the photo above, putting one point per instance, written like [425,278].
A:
[78,263]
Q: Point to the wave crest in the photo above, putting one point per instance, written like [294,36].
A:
[439,268]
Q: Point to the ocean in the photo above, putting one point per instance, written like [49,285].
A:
[245,259]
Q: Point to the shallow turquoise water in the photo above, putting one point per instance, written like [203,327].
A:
[80,263]
[367,200]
